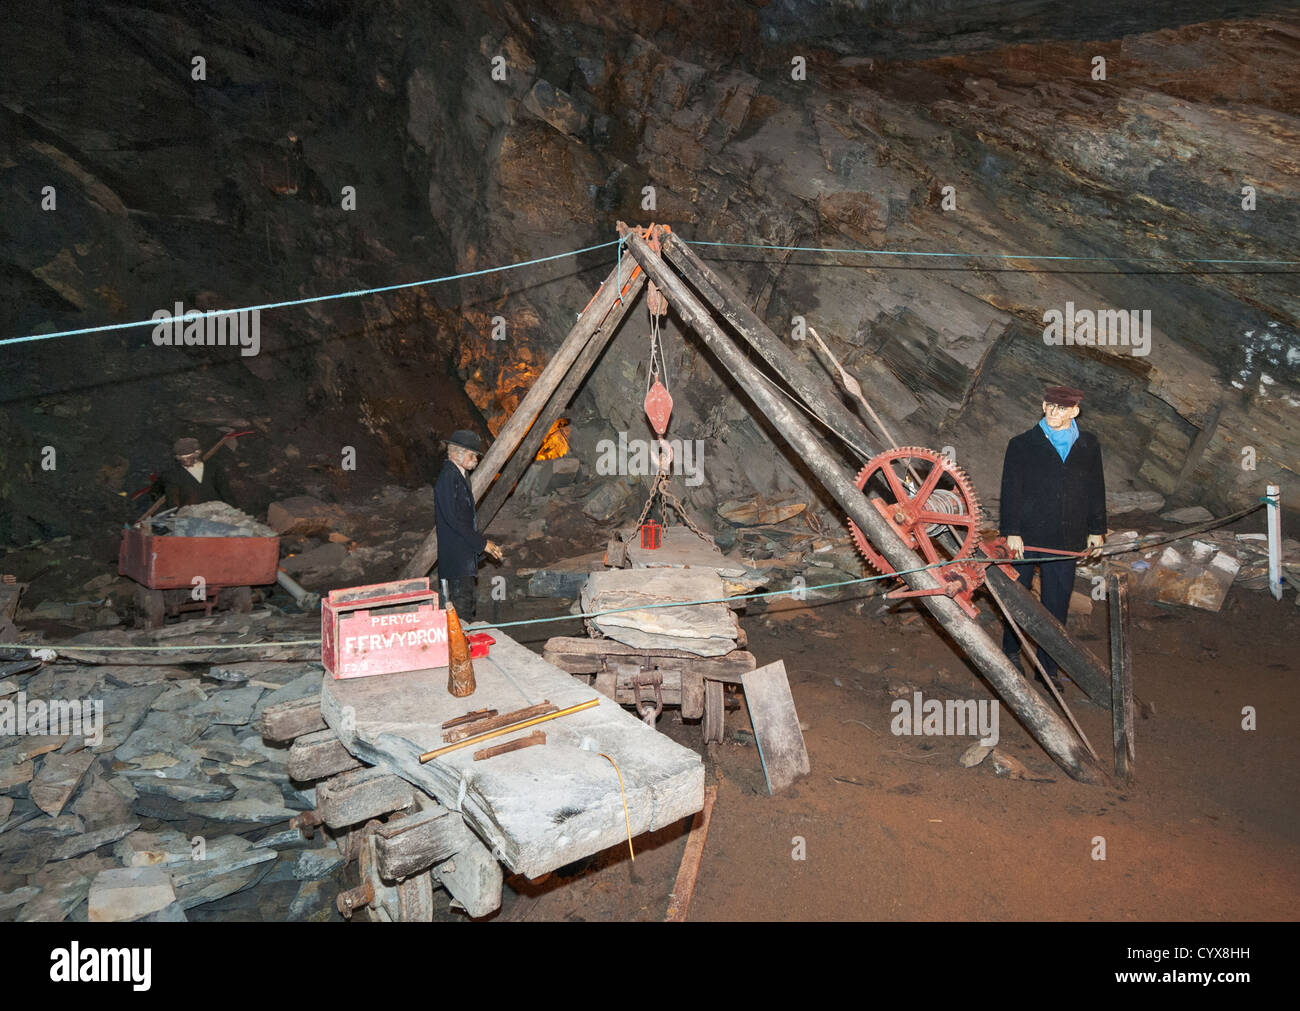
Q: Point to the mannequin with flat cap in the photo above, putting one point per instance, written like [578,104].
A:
[1053,496]
[460,545]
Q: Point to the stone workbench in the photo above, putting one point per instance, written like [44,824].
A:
[538,808]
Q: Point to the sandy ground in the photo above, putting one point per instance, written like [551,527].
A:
[893,828]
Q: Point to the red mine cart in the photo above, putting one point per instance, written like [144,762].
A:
[171,571]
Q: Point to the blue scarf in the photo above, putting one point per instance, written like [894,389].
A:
[1062,439]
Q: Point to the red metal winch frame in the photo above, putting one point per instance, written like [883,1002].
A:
[919,517]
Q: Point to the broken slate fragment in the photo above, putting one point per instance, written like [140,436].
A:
[314,903]
[12,774]
[56,828]
[60,775]
[312,865]
[228,754]
[974,755]
[91,841]
[14,899]
[128,893]
[145,849]
[232,707]
[208,880]
[160,731]
[250,809]
[56,901]
[183,789]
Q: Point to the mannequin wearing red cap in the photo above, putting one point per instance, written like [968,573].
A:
[1053,496]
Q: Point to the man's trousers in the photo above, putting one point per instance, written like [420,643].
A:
[464,596]
[1056,580]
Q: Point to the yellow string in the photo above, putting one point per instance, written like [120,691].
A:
[626,820]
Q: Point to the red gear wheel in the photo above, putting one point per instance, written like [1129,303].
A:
[920,516]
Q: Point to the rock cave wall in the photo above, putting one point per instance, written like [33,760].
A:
[174,190]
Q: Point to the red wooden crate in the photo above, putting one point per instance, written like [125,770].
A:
[171,563]
[382,629]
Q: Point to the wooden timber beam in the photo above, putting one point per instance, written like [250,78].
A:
[1088,672]
[559,401]
[514,430]
[1053,733]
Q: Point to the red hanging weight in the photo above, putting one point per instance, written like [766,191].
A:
[658,407]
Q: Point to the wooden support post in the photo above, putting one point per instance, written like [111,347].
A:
[717,293]
[1041,625]
[679,904]
[1121,658]
[1085,670]
[529,408]
[564,393]
[1053,733]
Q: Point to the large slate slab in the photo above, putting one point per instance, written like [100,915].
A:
[538,808]
[638,595]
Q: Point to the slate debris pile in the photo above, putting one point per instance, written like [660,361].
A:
[162,802]
[1198,571]
[209,519]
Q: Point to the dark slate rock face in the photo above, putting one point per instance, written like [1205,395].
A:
[171,190]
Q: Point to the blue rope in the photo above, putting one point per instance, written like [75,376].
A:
[308,301]
[996,256]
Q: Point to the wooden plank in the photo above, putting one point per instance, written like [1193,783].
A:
[411,845]
[776,725]
[526,454]
[473,877]
[318,755]
[1121,652]
[292,719]
[679,902]
[355,797]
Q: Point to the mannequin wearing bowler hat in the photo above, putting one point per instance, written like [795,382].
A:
[1053,496]
[460,545]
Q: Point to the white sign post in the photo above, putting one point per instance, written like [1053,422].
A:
[1274,541]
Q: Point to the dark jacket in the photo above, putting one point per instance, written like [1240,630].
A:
[460,545]
[1048,502]
[181,489]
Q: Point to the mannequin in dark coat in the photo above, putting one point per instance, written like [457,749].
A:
[182,488]
[460,545]
[1051,502]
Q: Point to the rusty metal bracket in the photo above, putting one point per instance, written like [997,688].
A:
[648,679]
[307,822]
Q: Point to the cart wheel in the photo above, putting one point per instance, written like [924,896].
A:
[714,723]
[415,899]
[150,607]
[241,599]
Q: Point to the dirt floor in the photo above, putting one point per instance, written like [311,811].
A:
[893,828]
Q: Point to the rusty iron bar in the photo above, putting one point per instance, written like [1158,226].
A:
[536,737]
[1054,734]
